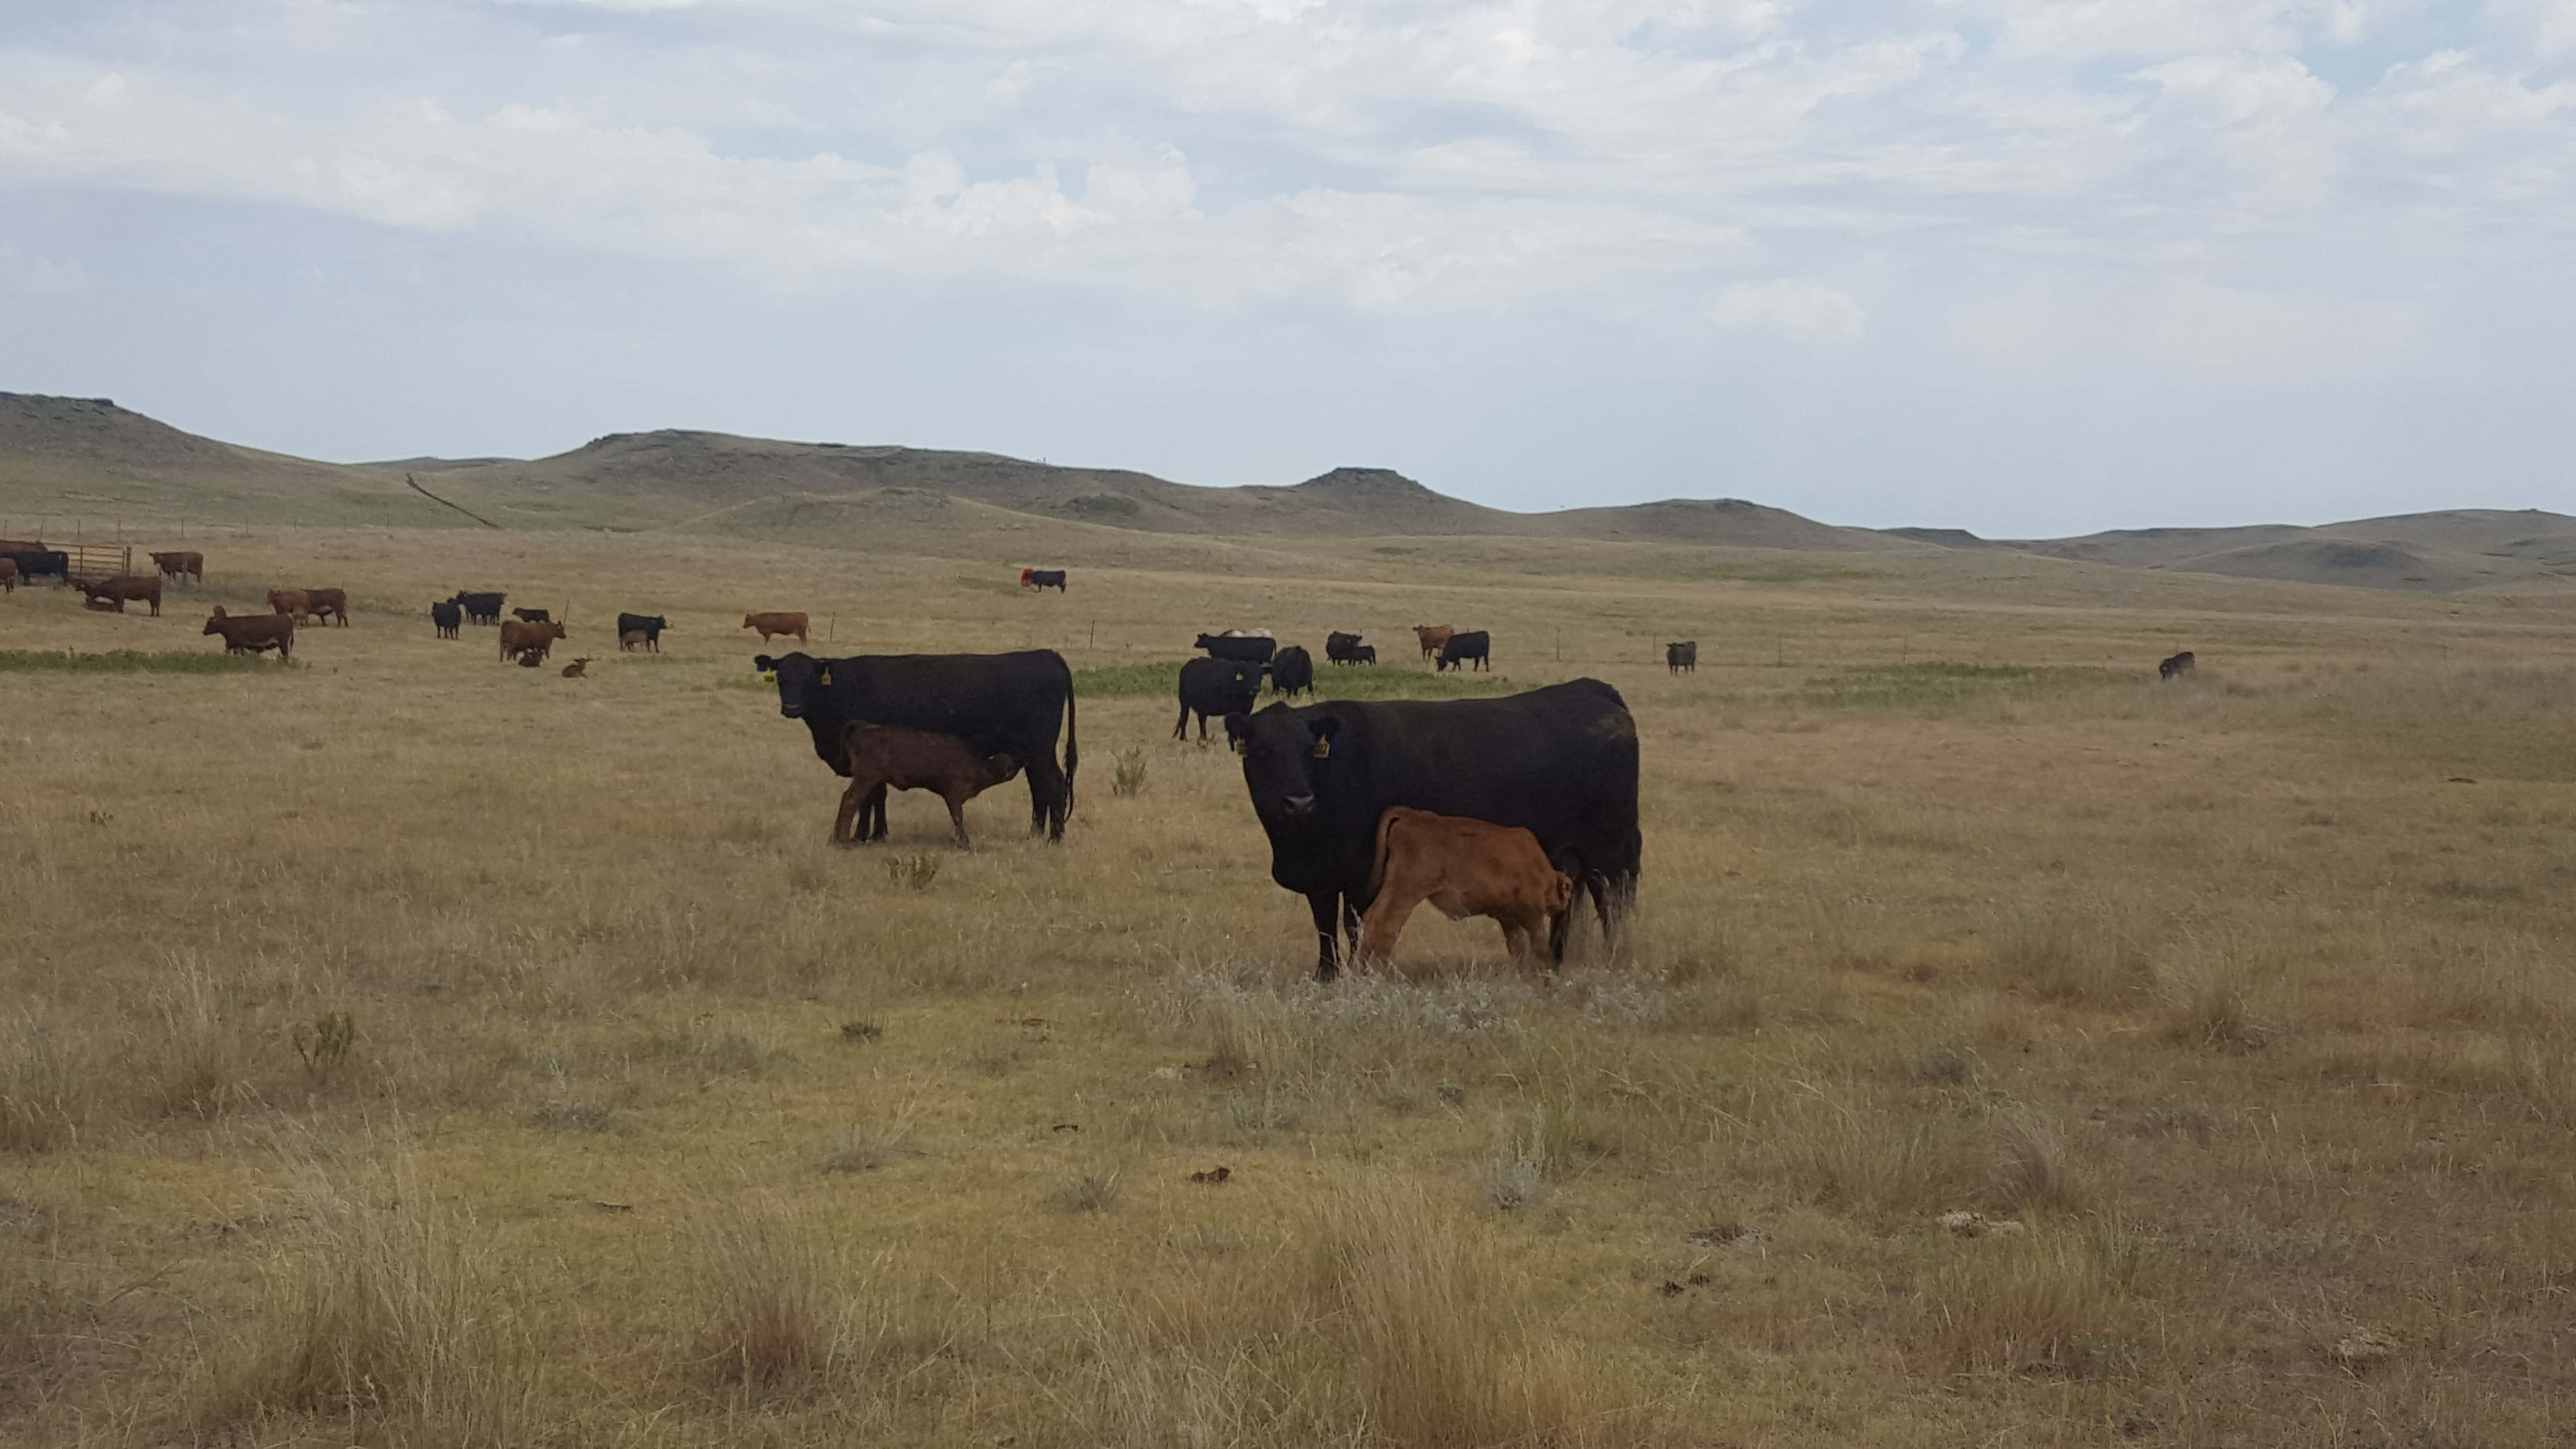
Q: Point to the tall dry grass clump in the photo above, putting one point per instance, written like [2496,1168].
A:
[44,1092]
[2045,1301]
[776,1312]
[2072,952]
[1442,1363]
[386,1311]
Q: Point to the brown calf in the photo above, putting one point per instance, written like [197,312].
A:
[627,641]
[293,603]
[1464,868]
[883,755]
[175,564]
[1434,637]
[8,576]
[575,668]
[521,637]
[769,624]
[115,593]
[254,633]
[331,603]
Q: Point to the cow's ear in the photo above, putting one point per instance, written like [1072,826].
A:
[764,663]
[1323,730]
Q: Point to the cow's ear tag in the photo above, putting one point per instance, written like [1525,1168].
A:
[1239,748]
[1323,750]
[769,676]
[824,678]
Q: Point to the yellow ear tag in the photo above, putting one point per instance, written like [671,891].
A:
[1239,748]
[1323,750]
[769,676]
[824,678]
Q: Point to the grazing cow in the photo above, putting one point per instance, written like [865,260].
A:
[1682,658]
[908,759]
[254,633]
[2179,664]
[1292,671]
[447,616]
[1217,687]
[1043,580]
[177,564]
[36,563]
[1365,654]
[115,593]
[526,642]
[1241,648]
[8,575]
[293,603]
[1463,649]
[1342,648]
[531,616]
[628,642]
[1433,637]
[999,704]
[648,625]
[332,604]
[575,668]
[482,608]
[769,624]
[1558,762]
[1463,868]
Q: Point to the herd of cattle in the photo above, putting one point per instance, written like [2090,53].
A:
[1513,808]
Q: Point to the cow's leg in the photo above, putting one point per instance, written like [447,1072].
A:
[1181,726]
[957,820]
[851,799]
[1325,906]
[872,814]
[1383,924]
[1048,790]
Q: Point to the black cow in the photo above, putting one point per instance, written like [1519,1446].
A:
[35,563]
[1000,704]
[1465,648]
[2179,664]
[1244,648]
[1682,658]
[1217,687]
[447,616]
[532,616]
[1559,762]
[1043,580]
[1292,671]
[481,608]
[648,625]
[1345,649]
[1365,654]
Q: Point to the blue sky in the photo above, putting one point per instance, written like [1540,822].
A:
[2024,266]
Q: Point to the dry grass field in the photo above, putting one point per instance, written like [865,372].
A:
[403,1049]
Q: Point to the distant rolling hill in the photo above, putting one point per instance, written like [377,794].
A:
[64,459]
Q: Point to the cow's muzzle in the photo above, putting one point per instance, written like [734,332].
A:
[1299,806]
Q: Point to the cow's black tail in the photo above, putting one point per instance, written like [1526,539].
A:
[1072,744]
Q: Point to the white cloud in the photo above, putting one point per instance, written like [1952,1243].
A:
[1807,311]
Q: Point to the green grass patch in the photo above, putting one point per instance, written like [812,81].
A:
[1935,683]
[129,661]
[1162,679]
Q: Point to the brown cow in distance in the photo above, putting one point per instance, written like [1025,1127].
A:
[117,592]
[627,641]
[1463,868]
[178,564]
[578,669]
[909,759]
[518,637]
[769,624]
[254,633]
[1434,637]
[333,603]
[293,603]
[8,576]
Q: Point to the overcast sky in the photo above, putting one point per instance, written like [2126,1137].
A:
[2024,266]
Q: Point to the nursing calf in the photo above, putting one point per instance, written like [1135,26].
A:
[1463,868]
[907,759]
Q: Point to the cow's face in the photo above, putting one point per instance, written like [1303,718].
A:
[1560,893]
[1283,756]
[801,680]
